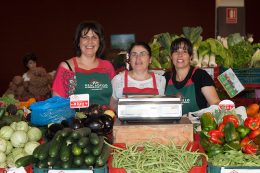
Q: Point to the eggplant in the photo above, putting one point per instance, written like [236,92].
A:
[76,123]
[65,123]
[52,129]
[96,125]
[94,109]
[108,123]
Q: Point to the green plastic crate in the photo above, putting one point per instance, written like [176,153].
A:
[103,169]
[217,169]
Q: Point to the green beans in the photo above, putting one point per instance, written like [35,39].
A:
[155,157]
[235,158]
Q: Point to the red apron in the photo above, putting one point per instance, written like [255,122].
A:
[137,91]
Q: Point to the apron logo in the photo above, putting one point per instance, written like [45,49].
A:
[96,85]
[185,100]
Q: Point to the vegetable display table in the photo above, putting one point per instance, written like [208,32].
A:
[178,131]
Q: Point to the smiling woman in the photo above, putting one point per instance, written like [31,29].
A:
[86,73]
[195,86]
[137,81]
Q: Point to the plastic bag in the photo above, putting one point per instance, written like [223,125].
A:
[52,110]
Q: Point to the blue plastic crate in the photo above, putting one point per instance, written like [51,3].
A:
[103,169]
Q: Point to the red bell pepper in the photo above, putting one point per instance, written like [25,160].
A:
[254,134]
[221,127]
[216,136]
[252,122]
[245,141]
[250,148]
[231,118]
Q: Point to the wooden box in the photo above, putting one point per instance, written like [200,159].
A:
[178,131]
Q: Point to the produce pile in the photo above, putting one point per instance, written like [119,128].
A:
[156,157]
[69,148]
[16,141]
[229,140]
[232,51]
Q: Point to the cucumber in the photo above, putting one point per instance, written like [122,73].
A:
[83,142]
[66,132]
[78,160]
[67,164]
[87,150]
[93,138]
[55,145]
[96,150]
[43,152]
[90,160]
[57,165]
[52,160]
[75,135]
[84,131]
[24,161]
[42,164]
[103,157]
[36,150]
[65,152]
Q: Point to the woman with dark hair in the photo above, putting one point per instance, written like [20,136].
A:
[86,73]
[194,85]
[137,81]
[29,62]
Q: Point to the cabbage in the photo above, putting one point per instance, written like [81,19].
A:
[10,161]
[3,164]
[2,157]
[30,146]
[6,132]
[2,145]
[19,138]
[13,125]
[34,134]
[9,147]
[22,125]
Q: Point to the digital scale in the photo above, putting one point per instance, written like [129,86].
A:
[149,109]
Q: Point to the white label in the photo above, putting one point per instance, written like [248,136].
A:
[70,171]
[16,170]
[224,170]
[79,101]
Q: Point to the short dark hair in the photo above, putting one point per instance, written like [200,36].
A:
[178,42]
[89,25]
[27,57]
[143,44]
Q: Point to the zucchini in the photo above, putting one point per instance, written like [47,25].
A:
[65,152]
[67,164]
[83,142]
[55,145]
[36,150]
[43,151]
[87,149]
[84,131]
[24,161]
[42,164]
[78,160]
[93,138]
[51,161]
[96,150]
[103,157]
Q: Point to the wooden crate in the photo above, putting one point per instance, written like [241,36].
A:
[179,132]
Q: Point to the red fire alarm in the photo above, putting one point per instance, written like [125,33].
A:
[231,15]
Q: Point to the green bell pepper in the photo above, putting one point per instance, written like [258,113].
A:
[230,132]
[233,145]
[204,140]
[243,131]
[214,150]
[208,122]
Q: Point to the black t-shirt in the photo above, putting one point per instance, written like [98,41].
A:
[200,79]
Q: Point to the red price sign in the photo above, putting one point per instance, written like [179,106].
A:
[79,101]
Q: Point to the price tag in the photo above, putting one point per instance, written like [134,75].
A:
[226,104]
[79,101]
[71,171]
[224,170]
[16,170]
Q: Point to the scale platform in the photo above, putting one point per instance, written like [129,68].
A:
[149,109]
